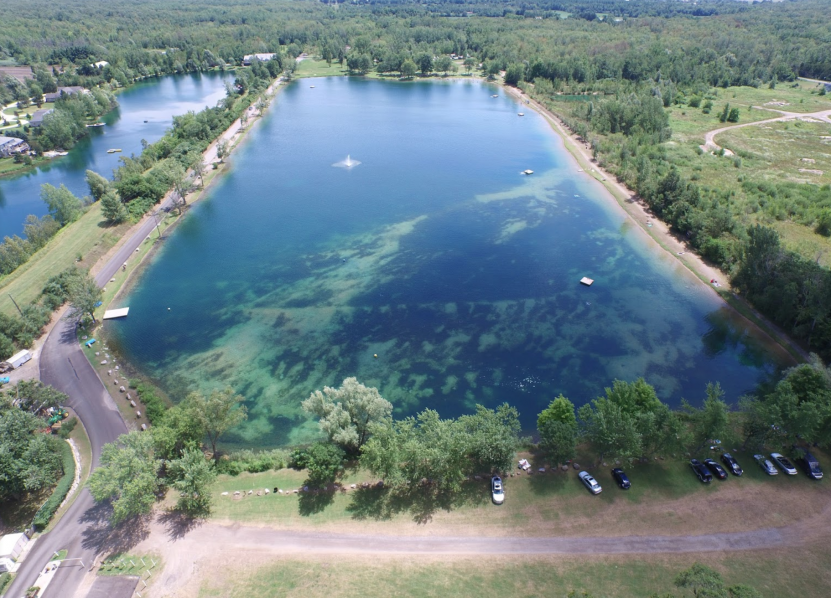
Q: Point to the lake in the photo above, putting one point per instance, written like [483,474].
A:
[433,270]
[145,111]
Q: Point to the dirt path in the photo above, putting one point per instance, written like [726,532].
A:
[709,139]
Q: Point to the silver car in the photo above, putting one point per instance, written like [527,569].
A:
[590,482]
[766,465]
[783,462]
[497,491]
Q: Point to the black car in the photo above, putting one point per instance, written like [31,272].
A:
[621,479]
[701,471]
[809,464]
[731,464]
[717,469]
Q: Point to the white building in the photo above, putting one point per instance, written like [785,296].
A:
[249,58]
[12,145]
[11,545]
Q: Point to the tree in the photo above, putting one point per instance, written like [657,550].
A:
[558,440]
[197,165]
[425,64]
[28,462]
[443,64]
[84,296]
[192,476]
[514,74]
[610,430]
[324,461]
[346,413]
[178,430]
[34,395]
[703,581]
[633,397]
[217,413]
[561,410]
[178,179]
[63,206]
[469,63]
[112,208]
[724,113]
[262,104]
[127,476]
[743,591]
[711,421]
[408,69]
[490,437]
[222,149]
[98,185]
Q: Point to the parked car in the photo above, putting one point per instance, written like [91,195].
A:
[497,491]
[717,469]
[621,479]
[782,461]
[590,482]
[766,465]
[731,464]
[809,464]
[701,471]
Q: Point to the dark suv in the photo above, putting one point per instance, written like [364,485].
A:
[701,471]
[809,464]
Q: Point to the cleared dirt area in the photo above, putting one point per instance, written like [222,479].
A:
[21,73]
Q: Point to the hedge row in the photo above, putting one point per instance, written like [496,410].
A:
[44,515]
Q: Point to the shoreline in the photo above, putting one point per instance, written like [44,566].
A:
[657,230]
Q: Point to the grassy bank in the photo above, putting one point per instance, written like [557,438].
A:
[772,573]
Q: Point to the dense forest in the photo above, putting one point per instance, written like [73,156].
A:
[635,59]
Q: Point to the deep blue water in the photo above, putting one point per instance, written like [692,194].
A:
[435,254]
[156,101]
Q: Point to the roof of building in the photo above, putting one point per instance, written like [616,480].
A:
[13,140]
[261,57]
[8,543]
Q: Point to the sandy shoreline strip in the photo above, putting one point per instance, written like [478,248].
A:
[655,229]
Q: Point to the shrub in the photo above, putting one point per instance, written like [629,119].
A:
[154,405]
[253,461]
[44,515]
[67,426]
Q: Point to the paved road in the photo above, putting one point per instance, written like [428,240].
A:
[709,138]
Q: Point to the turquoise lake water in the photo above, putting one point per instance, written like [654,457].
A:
[155,101]
[434,253]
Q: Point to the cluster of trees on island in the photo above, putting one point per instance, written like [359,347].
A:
[629,422]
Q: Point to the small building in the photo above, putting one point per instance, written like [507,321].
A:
[100,64]
[11,545]
[37,116]
[68,91]
[250,58]
[12,145]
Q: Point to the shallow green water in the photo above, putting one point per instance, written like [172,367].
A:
[434,253]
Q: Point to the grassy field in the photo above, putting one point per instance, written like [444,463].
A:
[664,493]
[802,573]
[81,243]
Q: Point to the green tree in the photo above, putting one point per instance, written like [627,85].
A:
[514,74]
[216,413]
[84,296]
[222,149]
[7,348]
[346,413]
[408,69]
[469,63]
[611,431]
[443,64]
[178,430]
[724,113]
[112,208]
[127,476]
[98,185]
[192,476]
[323,460]
[743,591]
[425,64]
[63,206]
[490,437]
[561,410]
[703,581]
[558,440]
[733,116]
[633,397]
[33,395]
[711,421]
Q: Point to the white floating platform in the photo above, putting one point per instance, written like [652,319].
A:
[116,313]
[586,281]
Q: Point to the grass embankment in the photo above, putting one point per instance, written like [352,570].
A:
[803,572]
[665,498]
[89,238]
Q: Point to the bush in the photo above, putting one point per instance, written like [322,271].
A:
[44,515]
[154,405]
[5,579]
[253,462]
[67,426]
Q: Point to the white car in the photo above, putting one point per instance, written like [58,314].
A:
[497,491]
[783,462]
[590,482]
[766,465]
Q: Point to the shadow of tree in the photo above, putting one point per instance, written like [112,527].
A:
[421,501]
[102,537]
[178,523]
[315,501]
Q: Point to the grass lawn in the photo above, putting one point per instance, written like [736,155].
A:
[805,573]
[88,239]
[312,67]
[664,493]
[130,564]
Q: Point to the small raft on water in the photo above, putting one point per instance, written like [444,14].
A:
[113,151]
[520,114]
[527,172]
[95,125]
[586,281]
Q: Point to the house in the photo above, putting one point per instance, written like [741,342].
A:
[11,545]
[70,91]
[12,145]
[100,64]
[37,116]
[249,58]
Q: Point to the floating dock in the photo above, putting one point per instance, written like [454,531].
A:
[586,281]
[113,151]
[116,313]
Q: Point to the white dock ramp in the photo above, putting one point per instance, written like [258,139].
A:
[116,313]
[586,281]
